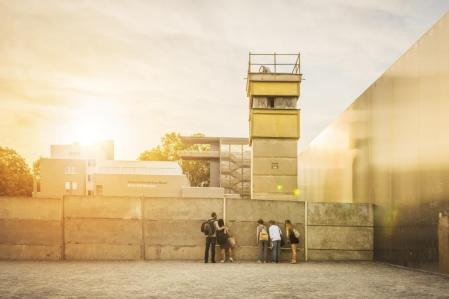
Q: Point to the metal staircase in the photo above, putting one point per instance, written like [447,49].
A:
[235,172]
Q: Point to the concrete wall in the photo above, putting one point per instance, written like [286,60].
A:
[242,216]
[127,228]
[172,226]
[201,192]
[30,228]
[102,228]
[339,231]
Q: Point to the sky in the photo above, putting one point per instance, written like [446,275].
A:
[134,70]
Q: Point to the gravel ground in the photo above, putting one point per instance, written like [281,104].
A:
[139,279]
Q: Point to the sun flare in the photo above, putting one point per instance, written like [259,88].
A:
[92,124]
[91,131]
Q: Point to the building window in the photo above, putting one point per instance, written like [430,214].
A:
[274,165]
[259,102]
[270,102]
[71,186]
[71,170]
[285,103]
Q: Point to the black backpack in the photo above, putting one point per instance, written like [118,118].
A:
[208,227]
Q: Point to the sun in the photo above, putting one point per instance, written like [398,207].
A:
[90,131]
[91,124]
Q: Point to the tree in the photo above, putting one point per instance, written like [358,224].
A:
[15,176]
[196,171]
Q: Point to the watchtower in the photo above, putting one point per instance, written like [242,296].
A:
[273,86]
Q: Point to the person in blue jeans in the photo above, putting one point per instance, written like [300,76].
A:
[275,237]
[262,238]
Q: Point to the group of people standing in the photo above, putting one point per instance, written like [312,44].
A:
[273,235]
[267,236]
[217,232]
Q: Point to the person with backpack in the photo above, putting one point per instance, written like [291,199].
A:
[223,236]
[293,238]
[276,236]
[209,229]
[262,241]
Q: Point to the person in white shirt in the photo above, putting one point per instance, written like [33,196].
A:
[275,237]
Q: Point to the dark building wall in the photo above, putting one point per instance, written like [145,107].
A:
[391,148]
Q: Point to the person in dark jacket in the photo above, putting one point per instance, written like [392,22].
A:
[211,239]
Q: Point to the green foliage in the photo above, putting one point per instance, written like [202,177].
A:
[196,171]
[15,176]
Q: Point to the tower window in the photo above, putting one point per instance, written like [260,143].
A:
[270,102]
[274,165]
[285,102]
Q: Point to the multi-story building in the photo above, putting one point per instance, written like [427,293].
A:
[91,170]
[229,162]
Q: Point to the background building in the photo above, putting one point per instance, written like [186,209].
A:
[100,151]
[76,169]
[229,162]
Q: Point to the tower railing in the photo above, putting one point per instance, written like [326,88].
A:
[276,63]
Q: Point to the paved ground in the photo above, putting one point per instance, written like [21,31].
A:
[196,280]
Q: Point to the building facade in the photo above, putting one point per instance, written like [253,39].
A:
[229,161]
[91,170]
